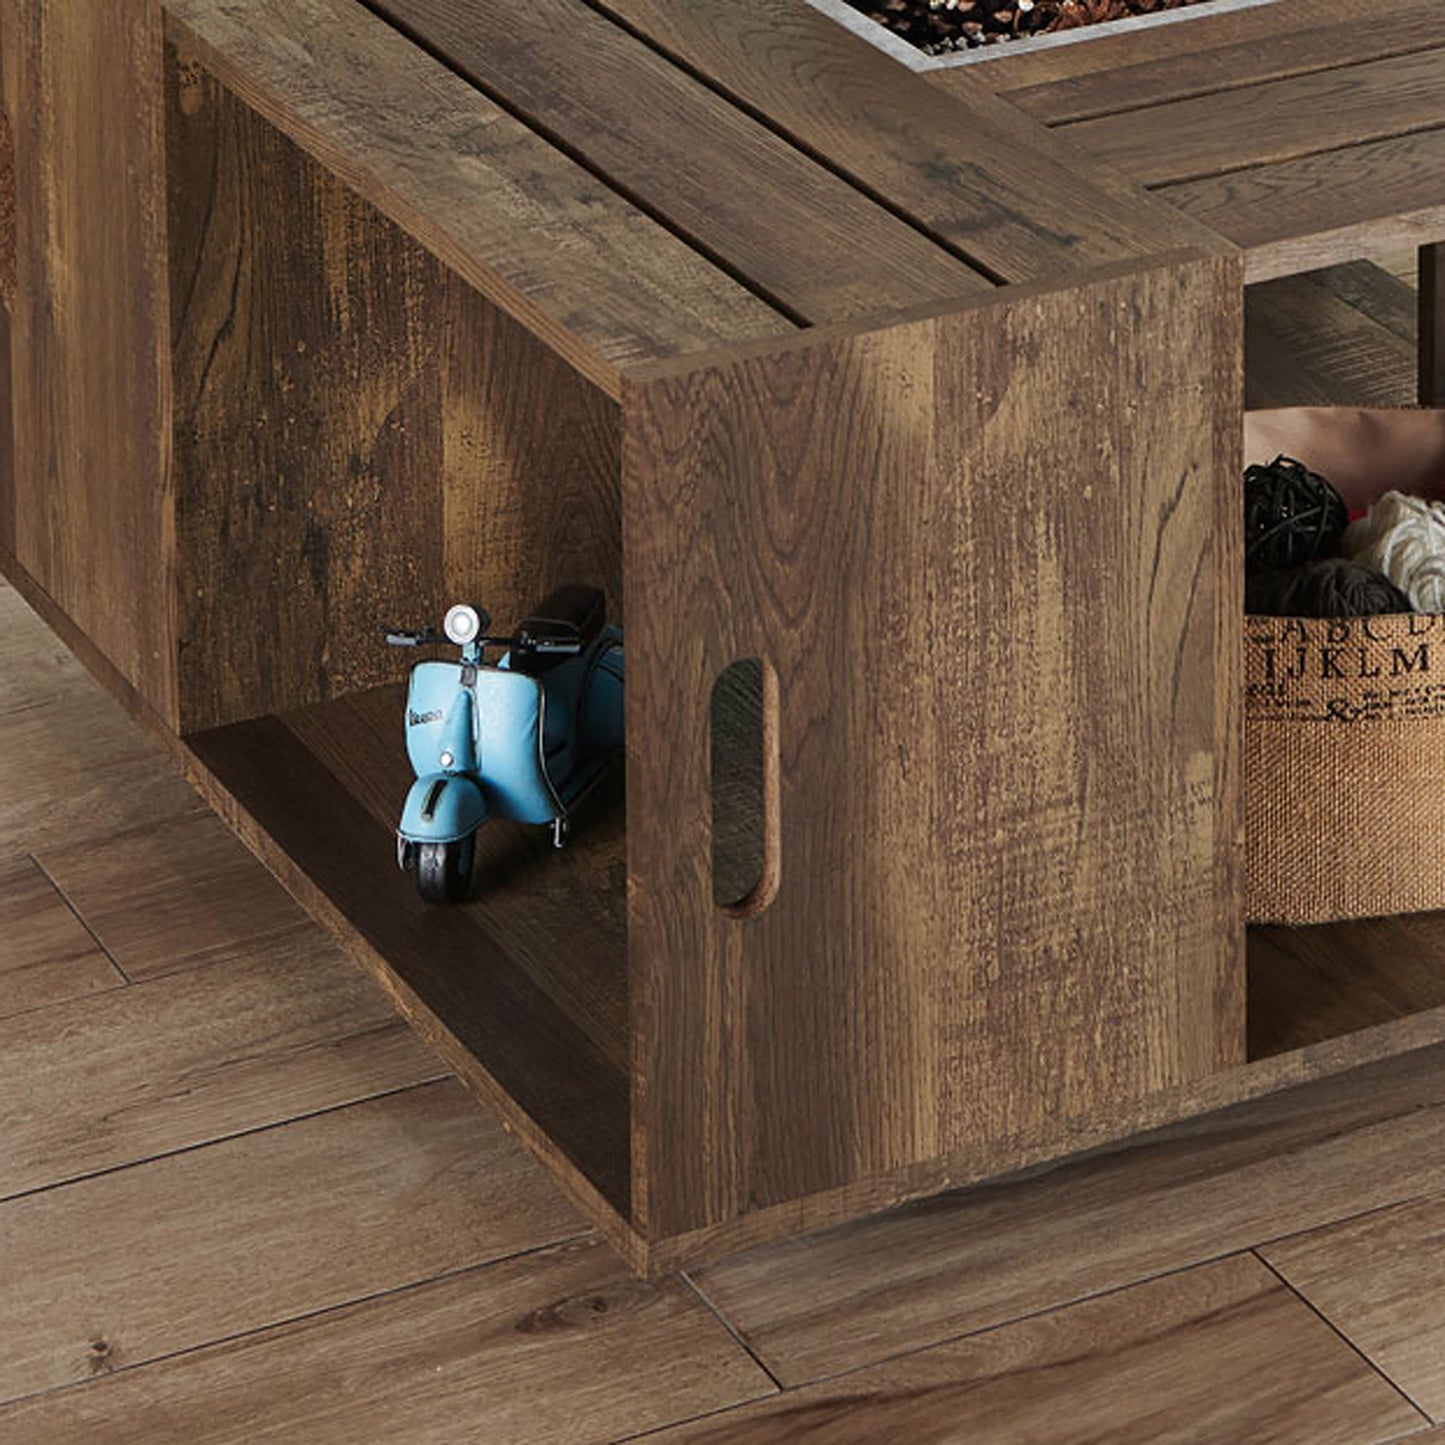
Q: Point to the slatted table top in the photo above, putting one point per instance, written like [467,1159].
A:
[1306,131]
[642,180]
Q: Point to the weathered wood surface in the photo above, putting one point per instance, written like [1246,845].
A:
[559,1345]
[330,1209]
[1380,1281]
[818,1306]
[799,235]
[1272,122]
[1322,209]
[176,894]
[1216,54]
[864,515]
[581,267]
[90,509]
[1219,1354]
[94,1085]
[361,439]
[1341,337]
[46,953]
[976,176]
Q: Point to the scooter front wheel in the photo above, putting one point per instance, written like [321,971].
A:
[444,870]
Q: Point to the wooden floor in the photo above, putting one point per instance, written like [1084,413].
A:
[239,1203]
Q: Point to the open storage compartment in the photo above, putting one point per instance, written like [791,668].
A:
[1357,987]
[361,439]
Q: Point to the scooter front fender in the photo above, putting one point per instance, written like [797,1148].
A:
[442,808]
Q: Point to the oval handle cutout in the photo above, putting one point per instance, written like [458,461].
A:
[746,782]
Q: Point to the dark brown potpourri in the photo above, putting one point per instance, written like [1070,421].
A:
[940,26]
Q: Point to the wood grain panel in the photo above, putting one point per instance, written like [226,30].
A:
[1277,121]
[1222,1354]
[561,1346]
[1432,324]
[1380,1280]
[197,1247]
[1318,210]
[361,439]
[176,895]
[578,265]
[1310,342]
[1309,984]
[1348,32]
[308,418]
[92,383]
[46,955]
[973,174]
[99,1084]
[1008,70]
[985,786]
[804,238]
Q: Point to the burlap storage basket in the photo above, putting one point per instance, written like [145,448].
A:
[1344,757]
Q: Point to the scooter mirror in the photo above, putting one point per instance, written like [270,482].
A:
[464,624]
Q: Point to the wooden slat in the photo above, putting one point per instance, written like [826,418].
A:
[1302,214]
[175,895]
[974,174]
[46,955]
[1221,1354]
[1380,1280]
[562,1346]
[1432,323]
[101,1083]
[573,261]
[1159,1202]
[1354,31]
[197,1247]
[803,237]
[1009,69]
[1309,342]
[82,85]
[1273,122]
[958,860]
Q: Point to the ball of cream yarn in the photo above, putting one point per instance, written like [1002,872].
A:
[1404,537]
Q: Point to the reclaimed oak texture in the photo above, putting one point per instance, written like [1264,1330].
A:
[921,400]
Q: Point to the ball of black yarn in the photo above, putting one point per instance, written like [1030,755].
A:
[1330,587]
[1291,515]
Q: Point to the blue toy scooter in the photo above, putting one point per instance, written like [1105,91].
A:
[523,738]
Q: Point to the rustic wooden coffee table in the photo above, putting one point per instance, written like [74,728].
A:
[908,402]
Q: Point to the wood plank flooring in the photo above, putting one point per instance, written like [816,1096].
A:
[240,1203]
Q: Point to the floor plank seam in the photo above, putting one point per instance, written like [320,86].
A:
[269,1127]
[306,1317]
[80,918]
[1339,1334]
[732,1329]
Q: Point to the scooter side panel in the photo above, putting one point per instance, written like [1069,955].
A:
[432,693]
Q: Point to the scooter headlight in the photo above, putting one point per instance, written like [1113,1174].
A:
[463,624]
